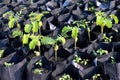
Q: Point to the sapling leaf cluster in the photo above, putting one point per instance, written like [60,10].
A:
[78,60]
[8,64]
[103,20]
[1,53]
[113,61]
[38,70]
[107,39]
[100,52]
[65,77]
[74,34]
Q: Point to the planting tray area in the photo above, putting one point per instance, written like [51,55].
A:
[59,40]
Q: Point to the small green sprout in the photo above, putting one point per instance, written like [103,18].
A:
[38,70]
[107,39]
[78,60]
[84,61]
[100,52]
[113,61]
[1,53]
[65,77]
[7,64]
[95,76]
[103,20]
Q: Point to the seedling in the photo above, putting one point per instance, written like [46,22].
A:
[96,77]
[113,61]
[65,77]
[17,33]
[7,64]
[54,42]
[103,20]
[100,52]
[83,24]
[1,53]
[38,70]
[14,18]
[85,61]
[107,39]
[78,60]
[74,34]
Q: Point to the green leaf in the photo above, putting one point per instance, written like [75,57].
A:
[16,33]
[35,26]
[115,18]
[25,38]
[108,23]
[75,32]
[99,20]
[65,30]
[61,39]
[1,53]
[33,44]
[11,23]
[27,28]
[47,40]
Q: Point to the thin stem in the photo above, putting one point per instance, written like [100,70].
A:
[102,27]
[89,35]
[39,50]
[56,56]
[75,45]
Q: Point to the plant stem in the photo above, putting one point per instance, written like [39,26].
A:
[75,45]
[39,50]
[56,56]
[88,30]
[102,27]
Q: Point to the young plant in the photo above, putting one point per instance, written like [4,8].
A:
[100,52]
[78,60]
[113,61]
[1,53]
[107,39]
[74,34]
[96,77]
[7,64]
[38,70]
[65,77]
[103,20]
[83,24]
[14,18]
[55,43]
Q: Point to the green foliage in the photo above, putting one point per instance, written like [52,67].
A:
[104,20]
[107,39]
[100,52]
[17,33]
[113,61]
[25,38]
[61,39]
[81,23]
[39,63]
[1,53]
[27,28]
[8,64]
[37,71]
[95,76]
[77,59]
[35,26]
[65,77]
[34,42]
[47,40]
[65,30]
